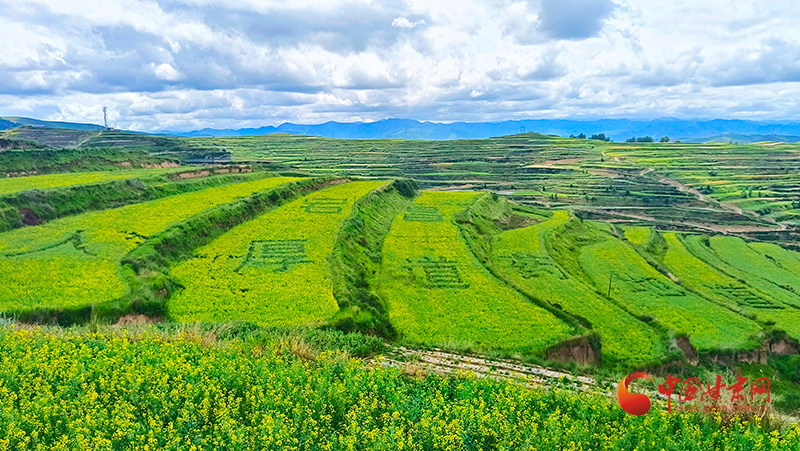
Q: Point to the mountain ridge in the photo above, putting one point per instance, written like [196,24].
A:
[616,129]
[723,130]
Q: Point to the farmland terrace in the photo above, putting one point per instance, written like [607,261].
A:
[540,248]
[750,190]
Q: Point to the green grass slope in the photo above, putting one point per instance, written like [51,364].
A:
[521,257]
[700,246]
[356,259]
[736,252]
[646,293]
[714,284]
[437,292]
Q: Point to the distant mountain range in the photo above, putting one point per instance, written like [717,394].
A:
[617,129]
[746,139]
[718,130]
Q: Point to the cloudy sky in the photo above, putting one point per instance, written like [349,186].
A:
[188,64]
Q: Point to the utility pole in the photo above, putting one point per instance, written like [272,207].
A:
[105,117]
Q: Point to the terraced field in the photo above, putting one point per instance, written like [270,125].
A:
[437,292]
[699,246]
[11,185]
[252,285]
[521,257]
[74,262]
[617,270]
[577,261]
[529,168]
[735,252]
[762,180]
[272,270]
[721,284]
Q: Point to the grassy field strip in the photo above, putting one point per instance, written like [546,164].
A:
[75,261]
[713,284]
[637,235]
[699,246]
[521,257]
[11,185]
[272,270]
[647,293]
[436,292]
[735,252]
[783,258]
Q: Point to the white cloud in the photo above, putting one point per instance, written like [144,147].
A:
[222,63]
[403,22]
[165,71]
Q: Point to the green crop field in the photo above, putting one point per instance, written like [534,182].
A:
[699,246]
[645,292]
[10,185]
[75,261]
[547,256]
[272,270]
[718,286]
[521,257]
[438,293]
[735,252]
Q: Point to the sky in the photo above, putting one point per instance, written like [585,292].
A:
[182,65]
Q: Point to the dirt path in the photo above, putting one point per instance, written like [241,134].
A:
[701,226]
[726,206]
[90,136]
[437,361]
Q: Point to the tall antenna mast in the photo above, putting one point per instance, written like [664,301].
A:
[105,116]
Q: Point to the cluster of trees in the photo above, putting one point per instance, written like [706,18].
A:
[642,139]
[646,139]
[597,136]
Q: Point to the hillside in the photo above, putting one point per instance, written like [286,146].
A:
[525,252]
[7,122]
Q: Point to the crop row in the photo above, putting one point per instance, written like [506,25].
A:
[272,270]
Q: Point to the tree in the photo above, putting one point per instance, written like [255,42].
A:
[582,136]
[665,139]
[644,139]
[600,137]
[631,140]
